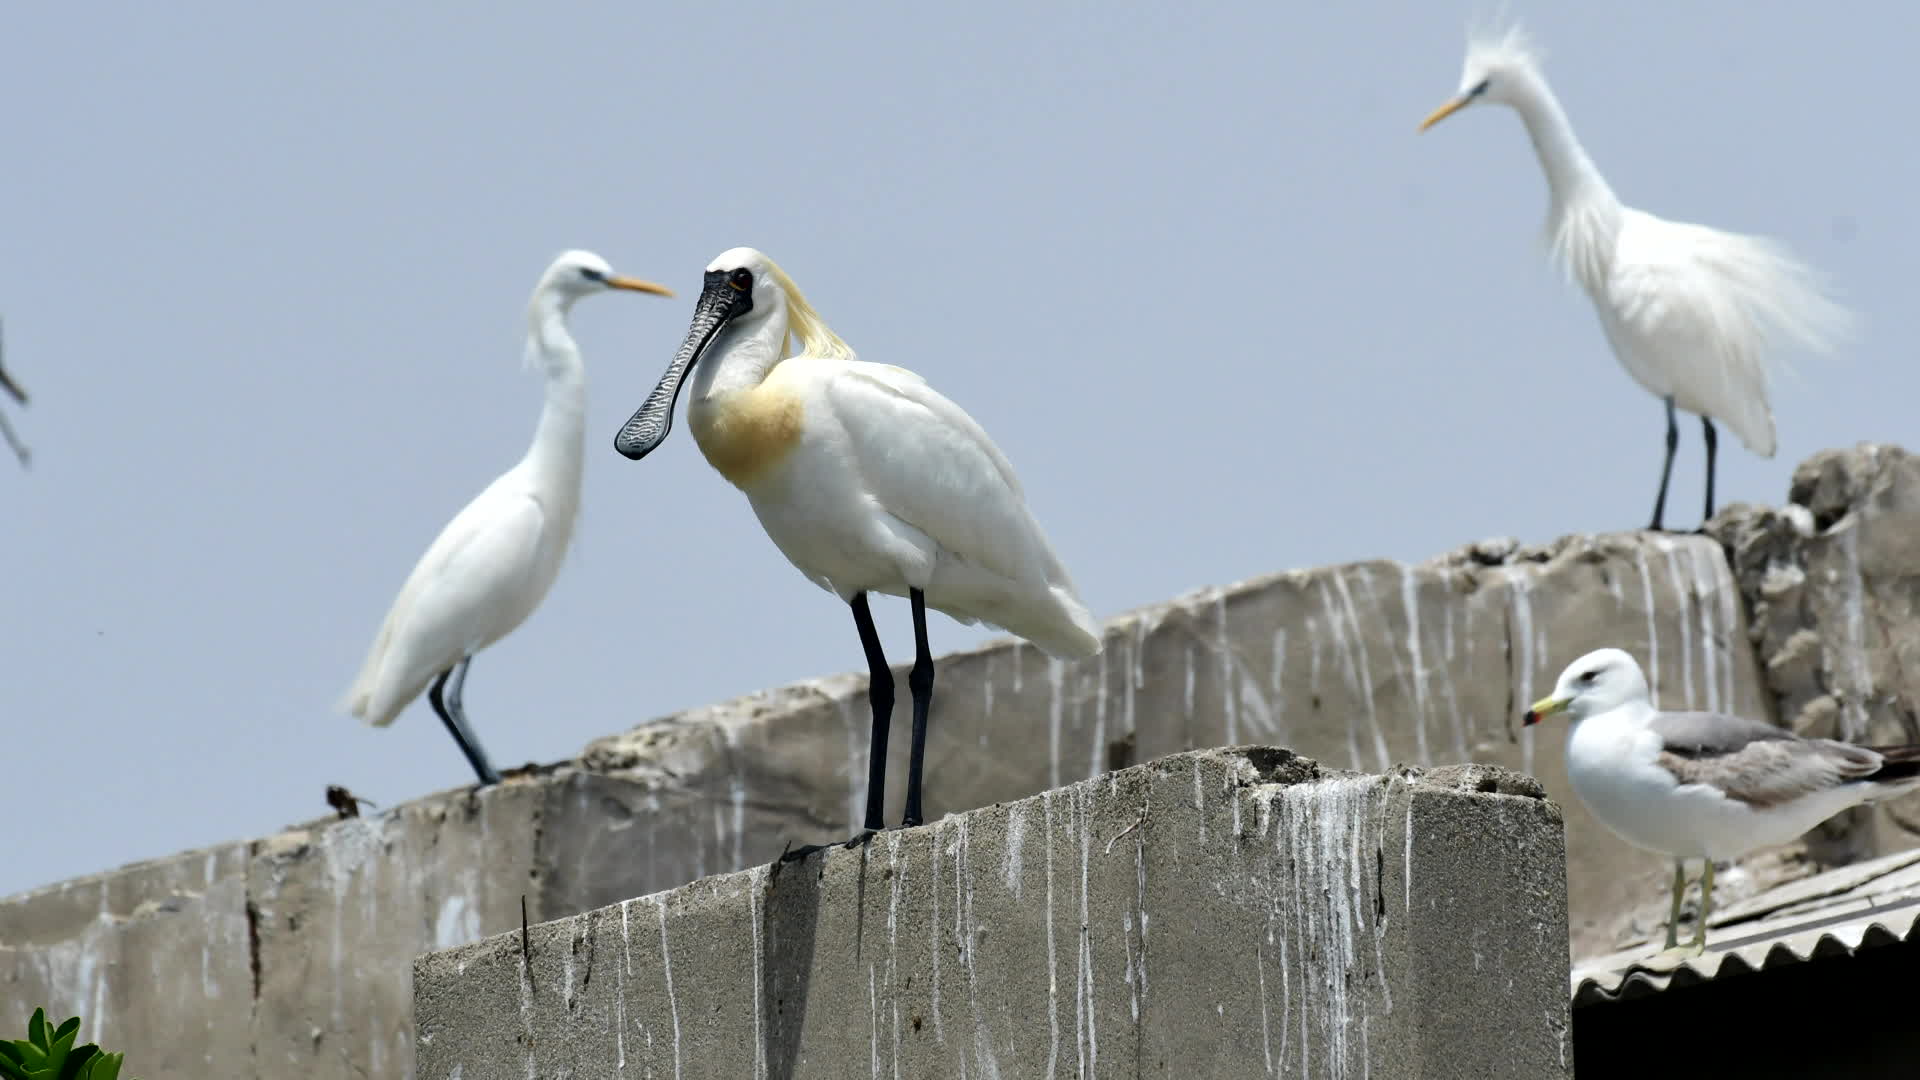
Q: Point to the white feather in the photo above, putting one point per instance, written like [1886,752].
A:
[494,562]
[887,486]
[1691,312]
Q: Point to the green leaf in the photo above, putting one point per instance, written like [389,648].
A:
[37,1029]
[79,1062]
[10,1053]
[11,1070]
[105,1067]
[68,1031]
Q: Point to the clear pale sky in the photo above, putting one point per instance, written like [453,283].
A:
[266,268]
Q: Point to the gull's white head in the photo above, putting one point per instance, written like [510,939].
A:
[1599,682]
[1502,68]
[582,273]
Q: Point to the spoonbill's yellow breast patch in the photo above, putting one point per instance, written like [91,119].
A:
[746,433]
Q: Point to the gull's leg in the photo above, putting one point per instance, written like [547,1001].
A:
[1666,471]
[1713,443]
[452,715]
[1673,913]
[1706,907]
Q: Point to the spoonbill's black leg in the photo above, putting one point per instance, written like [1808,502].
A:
[1666,471]
[920,683]
[1713,444]
[452,715]
[880,696]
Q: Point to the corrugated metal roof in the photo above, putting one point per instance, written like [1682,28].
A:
[1833,914]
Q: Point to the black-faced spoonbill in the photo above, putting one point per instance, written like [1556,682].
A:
[867,480]
[1691,312]
[1701,784]
[494,562]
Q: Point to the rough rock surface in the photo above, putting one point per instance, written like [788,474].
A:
[1224,913]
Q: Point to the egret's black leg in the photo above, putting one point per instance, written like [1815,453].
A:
[1713,443]
[880,696]
[920,683]
[455,718]
[1666,471]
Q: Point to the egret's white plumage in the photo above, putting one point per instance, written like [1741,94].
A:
[865,478]
[1704,785]
[1693,313]
[494,562]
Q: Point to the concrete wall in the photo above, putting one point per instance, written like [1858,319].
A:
[296,946]
[1212,914]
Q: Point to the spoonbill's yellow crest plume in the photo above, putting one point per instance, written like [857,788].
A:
[494,562]
[866,479]
[1691,312]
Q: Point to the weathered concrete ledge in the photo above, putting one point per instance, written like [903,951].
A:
[290,955]
[1221,913]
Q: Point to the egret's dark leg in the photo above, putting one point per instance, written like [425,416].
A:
[452,715]
[1713,443]
[1666,471]
[920,683]
[880,696]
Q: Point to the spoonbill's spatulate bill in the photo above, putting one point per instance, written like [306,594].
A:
[1690,312]
[494,562]
[13,389]
[866,479]
[1704,785]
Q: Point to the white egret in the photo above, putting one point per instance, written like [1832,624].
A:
[1704,785]
[1690,312]
[867,480]
[494,562]
[19,448]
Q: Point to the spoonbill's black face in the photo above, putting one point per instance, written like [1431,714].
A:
[725,296]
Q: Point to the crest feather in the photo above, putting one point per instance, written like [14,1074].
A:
[816,338]
[1500,42]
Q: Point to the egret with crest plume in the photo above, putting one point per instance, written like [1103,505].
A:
[1701,784]
[494,562]
[867,480]
[1691,312]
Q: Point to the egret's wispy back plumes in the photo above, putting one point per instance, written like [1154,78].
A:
[1696,315]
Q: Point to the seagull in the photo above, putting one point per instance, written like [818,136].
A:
[1690,311]
[494,562]
[867,480]
[1700,784]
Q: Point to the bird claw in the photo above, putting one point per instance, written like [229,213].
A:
[864,838]
[796,854]
[1672,957]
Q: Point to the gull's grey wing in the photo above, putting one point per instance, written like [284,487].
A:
[1756,763]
